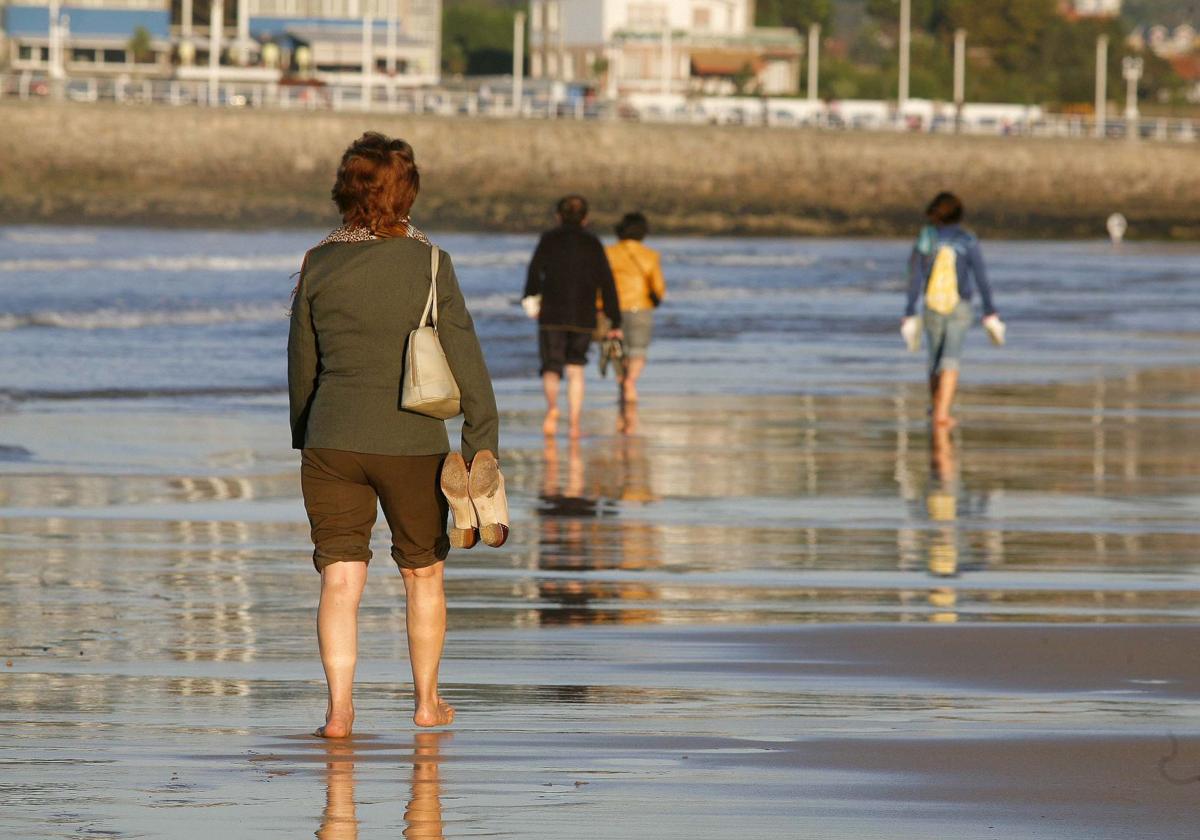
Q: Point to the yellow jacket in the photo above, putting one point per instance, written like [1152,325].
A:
[637,271]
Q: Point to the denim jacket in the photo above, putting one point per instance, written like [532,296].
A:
[969,263]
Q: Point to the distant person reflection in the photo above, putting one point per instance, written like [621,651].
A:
[580,530]
[941,504]
[422,817]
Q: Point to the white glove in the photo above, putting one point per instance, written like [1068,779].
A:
[910,330]
[532,304]
[995,329]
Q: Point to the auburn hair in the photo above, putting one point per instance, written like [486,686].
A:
[377,183]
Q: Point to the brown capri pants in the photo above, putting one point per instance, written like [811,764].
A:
[344,490]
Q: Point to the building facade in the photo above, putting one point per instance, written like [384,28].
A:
[662,46]
[88,37]
[327,40]
[1090,8]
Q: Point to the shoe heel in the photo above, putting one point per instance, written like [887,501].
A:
[486,486]
[455,487]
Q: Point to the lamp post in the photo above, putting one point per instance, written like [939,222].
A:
[666,57]
[1131,69]
[814,59]
[392,27]
[1101,85]
[55,36]
[368,59]
[905,41]
[960,76]
[518,89]
[216,22]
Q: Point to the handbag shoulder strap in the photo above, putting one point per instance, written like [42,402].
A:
[431,306]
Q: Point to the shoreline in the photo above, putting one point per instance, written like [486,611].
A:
[186,168]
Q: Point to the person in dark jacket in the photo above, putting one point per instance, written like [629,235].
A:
[361,290]
[568,270]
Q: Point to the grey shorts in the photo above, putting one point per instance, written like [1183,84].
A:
[638,327]
[945,335]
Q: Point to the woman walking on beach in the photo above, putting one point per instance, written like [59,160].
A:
[945,268]
[637,271]
[362,290]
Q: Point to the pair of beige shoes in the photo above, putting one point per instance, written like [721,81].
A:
[477,500]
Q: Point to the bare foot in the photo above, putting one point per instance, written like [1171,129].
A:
[438,714]
[336,726]
[550,424]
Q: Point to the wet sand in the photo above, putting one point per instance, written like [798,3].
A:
[779,616]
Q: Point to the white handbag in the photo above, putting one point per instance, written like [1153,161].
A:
[429,386]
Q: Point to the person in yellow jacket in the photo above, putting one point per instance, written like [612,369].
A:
[637,271]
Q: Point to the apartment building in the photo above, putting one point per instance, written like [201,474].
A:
[330,40]
[668,46]
[87,37]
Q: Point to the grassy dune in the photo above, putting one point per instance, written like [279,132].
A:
[126,164]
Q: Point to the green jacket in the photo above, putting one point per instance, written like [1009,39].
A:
[354,308]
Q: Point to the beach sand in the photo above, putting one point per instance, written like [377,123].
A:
[756,617]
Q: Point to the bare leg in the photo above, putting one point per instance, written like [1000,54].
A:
[634,366]
[575,389]
[550,383]
[337,636]
[426,617]
[943,398]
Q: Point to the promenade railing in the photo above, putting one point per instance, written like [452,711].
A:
[495,100]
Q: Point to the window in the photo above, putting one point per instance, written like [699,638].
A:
[114,57]
[25,52]
[83,56]
[647,15]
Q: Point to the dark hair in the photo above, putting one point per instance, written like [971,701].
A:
[945,209]
[377,183]
[572,209]
[633,226]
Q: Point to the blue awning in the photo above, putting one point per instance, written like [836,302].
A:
[266,27]
[35,21]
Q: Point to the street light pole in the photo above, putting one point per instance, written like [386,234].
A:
[960,76]
[216,23]
[518,90]
[1131,69]
[814,59]
[666,58]
[905,41]
[1101,85]
[368,59]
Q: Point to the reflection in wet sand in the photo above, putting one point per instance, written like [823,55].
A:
[339,819]
[941,503]
[423,813]
[572,535]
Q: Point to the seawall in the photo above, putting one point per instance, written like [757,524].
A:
[110,164]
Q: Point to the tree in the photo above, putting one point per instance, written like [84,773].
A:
[797,13]
[141,45]
[477,38]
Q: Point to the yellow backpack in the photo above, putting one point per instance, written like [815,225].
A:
[941,290]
